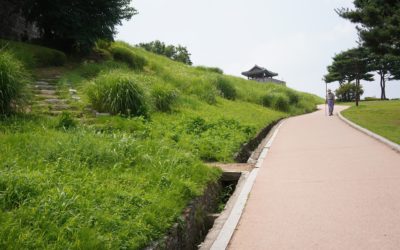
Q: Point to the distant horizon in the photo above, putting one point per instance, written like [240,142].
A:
[293,39]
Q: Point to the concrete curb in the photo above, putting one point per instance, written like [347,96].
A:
[231,223]
[392,145]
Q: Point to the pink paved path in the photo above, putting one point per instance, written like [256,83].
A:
[323,185]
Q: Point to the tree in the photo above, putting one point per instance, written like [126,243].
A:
[379,24]
[351,65]
[177,53]
[347,92]
[76,25]
[387,67]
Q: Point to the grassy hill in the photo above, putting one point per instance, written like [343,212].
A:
[381,117]
[121,181]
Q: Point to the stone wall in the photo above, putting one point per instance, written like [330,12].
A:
[194,223]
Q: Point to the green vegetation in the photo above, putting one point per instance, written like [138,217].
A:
[74,26]
[164,97]
[225,88]
[378,51]
[13,77]
[126,55]
[177,53]
[347,92]
[122,181]
[211,69]
[118,92]
[381,117]
[34,56]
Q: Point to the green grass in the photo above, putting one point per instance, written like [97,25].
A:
[34,56]
[13,78]
[120,182]
[381,117]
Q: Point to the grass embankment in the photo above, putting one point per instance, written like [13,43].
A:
[118,182]
[381,117]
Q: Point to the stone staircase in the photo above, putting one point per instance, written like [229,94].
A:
[48,98]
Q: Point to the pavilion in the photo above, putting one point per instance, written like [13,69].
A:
[261,74]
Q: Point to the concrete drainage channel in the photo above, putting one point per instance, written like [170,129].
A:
[209,220]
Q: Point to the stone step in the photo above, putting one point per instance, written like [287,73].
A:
[76,98]
[44,83]
[46,92]
[59,107]
[45,87]
[44,96]
[54,101]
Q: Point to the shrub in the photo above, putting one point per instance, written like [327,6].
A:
[277,101]
[12,81]
[66,121]
[164,97]
[226,88]
[282,103]
[267,100]
[126,55]
[347,92]
[294,98]
[118,93]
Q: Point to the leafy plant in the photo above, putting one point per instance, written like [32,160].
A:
[13,78]
[118,92]
[66,121]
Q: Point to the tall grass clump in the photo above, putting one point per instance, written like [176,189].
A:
[12,82]
[205,92]
[126,55]
[225,88]
[294,97]
[118,92]
[282,103]
[277,101]
[164,97]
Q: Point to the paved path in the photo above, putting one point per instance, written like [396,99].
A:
[323,185]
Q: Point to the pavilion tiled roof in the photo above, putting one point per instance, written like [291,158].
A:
[258,71]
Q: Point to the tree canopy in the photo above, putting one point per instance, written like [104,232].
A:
[351,65]
[177,53]
[378,24]
[75,25]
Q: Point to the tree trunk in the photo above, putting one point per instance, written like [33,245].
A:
[357,91]
[383,86]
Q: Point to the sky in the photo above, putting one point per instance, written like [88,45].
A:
[296,39]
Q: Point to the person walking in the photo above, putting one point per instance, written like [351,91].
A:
[331,101]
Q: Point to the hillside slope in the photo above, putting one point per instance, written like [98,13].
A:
[121,181]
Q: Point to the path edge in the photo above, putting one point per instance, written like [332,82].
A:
[225,235]
[392,145]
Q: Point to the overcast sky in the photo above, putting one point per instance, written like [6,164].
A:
[296,39]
